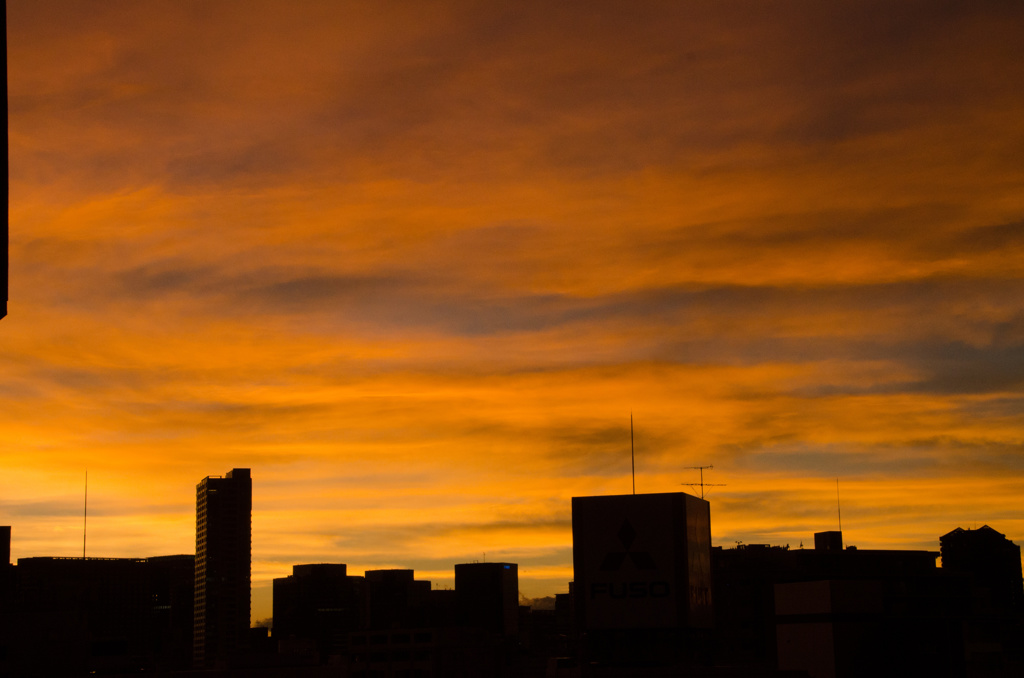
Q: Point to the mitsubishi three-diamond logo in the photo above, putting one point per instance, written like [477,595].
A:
[614,561]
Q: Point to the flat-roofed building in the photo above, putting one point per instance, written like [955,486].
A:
[100,615]
[642,566]
[487,597]
[315,609]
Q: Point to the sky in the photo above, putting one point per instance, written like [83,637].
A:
[417,264]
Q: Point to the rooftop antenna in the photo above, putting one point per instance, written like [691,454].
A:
[632,453]
[702,483]
[85,512]
[839,508]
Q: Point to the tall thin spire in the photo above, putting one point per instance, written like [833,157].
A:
[839,507]
[85,512]
[632,454]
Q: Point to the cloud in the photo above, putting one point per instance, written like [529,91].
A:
[415,265]
[43,509]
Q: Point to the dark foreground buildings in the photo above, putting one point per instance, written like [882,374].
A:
[487,597]
[387,623]
[651,598]
[835,612]
[991,561]
[315,608]
[223,567]
[73,616]
[990,567]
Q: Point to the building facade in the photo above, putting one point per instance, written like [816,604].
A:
[70,616]
[487,597]
[223,567]
[316,608]
[642,566]
[991,559]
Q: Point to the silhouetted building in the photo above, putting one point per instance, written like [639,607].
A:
[836,612]
[223,567]
[315,609]
[642,566]
[991,559]
[893,625]
[81,615]
[412,630]
[78,615]
[487,596]
[171,586]
[5,544]
[828,541]
[744,581]
[397,600]
[994,625]
[8,618]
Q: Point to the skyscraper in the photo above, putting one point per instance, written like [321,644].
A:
[223,567]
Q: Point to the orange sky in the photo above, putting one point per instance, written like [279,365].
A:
[416,263]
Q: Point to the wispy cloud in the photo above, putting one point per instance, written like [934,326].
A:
[415,265]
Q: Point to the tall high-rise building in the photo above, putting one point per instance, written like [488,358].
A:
[223,567]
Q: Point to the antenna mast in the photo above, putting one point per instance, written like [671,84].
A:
[85,512]
[702,483]
[839,508]
[632,453]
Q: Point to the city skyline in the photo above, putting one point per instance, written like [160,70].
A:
[261,597]
[649,587]
[416,265]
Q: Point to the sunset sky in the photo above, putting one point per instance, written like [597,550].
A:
[416,263]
